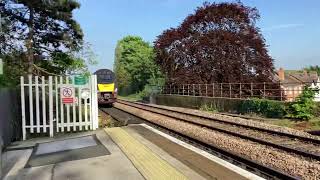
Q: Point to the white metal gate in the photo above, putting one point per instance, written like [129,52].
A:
[43,110]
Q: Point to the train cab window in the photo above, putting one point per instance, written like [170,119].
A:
[105,77]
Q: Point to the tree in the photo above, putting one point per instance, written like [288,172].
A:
[313,68]
[303,107]
[218,43]
[42,27]
[134,64]
[12,69]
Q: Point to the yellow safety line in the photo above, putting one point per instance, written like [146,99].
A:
[150,165]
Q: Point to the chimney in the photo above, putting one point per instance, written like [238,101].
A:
[281,74]
[305,72]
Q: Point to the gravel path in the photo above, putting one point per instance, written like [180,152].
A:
[291,164]
[241,121]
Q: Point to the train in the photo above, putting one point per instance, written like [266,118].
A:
[107,87]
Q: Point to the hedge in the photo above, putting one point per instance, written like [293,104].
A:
[267,108]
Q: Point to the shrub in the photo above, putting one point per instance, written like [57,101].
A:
[211,108]
[304,107]
[267,108]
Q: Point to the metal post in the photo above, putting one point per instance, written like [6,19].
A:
[31,103]
[174,89]
[188,89]
[23,113]
[194,92]
[170,89]
[206,89]
[178,90]
[220,89]
[50,107]
[264,89]
[200,90]
[251,89]
[212,89]
[240,90]
[230,90]
[182,89]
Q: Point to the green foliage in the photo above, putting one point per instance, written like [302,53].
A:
[134,65]
[210,108]
[304,107]
[40,28]
[267,108]
[13,68]
[313,68]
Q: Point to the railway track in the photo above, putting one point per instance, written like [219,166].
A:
[303,146]
[252,166]
[291,149]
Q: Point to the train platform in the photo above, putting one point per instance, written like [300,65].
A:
[136,151]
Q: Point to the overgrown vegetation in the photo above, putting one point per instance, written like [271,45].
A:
[135,67]
[211,108]
[267,108]
[303,107]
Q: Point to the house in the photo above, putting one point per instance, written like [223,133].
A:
[293,82]
[316,86]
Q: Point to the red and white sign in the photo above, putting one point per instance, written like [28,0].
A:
[67,94]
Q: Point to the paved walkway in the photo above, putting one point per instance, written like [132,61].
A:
[113,166]
[133,152]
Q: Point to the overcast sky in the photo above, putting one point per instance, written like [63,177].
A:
[291,27]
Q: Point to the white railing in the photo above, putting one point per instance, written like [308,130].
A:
[40,112]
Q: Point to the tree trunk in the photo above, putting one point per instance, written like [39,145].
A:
[29,43]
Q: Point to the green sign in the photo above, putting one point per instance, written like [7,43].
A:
[80,80]
[1,66]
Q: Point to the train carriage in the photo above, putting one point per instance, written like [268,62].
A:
[107,86]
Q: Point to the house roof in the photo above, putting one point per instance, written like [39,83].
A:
[292,77]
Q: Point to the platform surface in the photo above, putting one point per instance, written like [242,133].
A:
[67,144]
[134,152]
[113,166]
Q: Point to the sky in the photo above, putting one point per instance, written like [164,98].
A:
[291,28]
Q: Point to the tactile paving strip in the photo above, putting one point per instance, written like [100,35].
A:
[150,165]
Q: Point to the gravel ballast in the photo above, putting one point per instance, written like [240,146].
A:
[291,164]
[240,120]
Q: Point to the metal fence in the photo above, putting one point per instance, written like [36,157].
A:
[272,91]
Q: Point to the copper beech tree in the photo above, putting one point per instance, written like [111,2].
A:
[218,43]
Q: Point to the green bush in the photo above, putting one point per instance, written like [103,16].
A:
[210,108]
[304,107]
[267,108]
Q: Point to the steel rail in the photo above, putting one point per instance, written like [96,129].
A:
[250,165]
[307,139]
[264,142]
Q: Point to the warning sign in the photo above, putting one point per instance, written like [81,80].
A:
[67,94]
